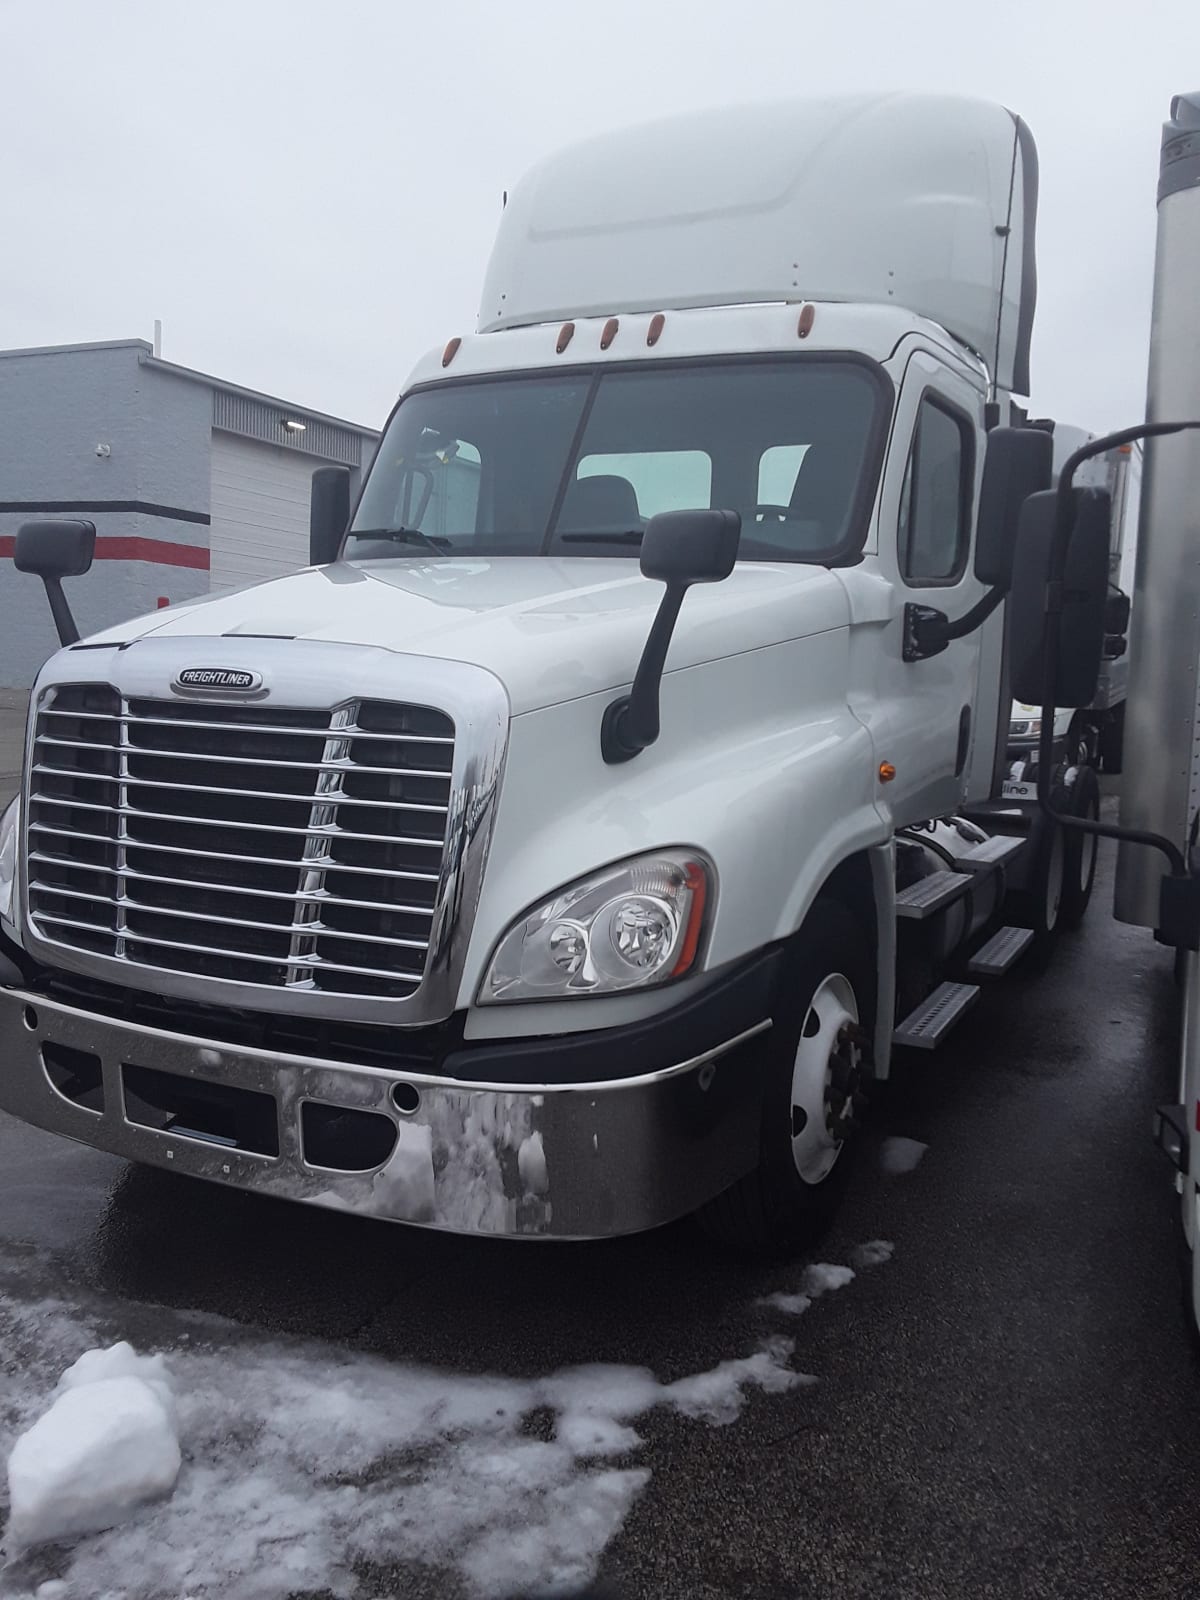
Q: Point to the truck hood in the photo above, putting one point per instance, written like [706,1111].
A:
[550,630]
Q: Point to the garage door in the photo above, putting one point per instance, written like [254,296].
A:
[259,508]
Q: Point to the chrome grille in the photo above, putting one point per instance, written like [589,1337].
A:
[269,846]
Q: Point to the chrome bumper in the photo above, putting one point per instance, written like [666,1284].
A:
[556,1161]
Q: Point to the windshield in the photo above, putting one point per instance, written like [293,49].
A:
[575,464]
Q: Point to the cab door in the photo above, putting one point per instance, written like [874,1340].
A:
[924,723]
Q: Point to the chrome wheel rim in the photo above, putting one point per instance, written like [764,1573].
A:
[826,1078]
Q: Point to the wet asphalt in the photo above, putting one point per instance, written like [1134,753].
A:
[1010,1407]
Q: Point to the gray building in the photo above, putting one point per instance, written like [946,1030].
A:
[193,484]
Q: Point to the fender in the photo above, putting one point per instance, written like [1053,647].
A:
[761,765]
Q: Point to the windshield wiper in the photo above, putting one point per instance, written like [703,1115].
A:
[403,536]
[630,536]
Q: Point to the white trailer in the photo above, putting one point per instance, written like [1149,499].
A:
[481,876]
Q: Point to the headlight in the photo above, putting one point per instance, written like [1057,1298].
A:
[630,927]
[10,827]
[1025,728]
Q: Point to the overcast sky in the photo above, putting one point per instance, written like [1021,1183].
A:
[305,193]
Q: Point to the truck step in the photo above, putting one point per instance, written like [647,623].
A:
[927,895]
[1000,952]
[993,852]
[928,1025]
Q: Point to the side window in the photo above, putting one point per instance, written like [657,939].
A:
[662,480]
[439,491]
[778,468]
[935,500]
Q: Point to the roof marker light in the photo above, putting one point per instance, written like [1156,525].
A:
[808,316]
[451,350]
[657,323]
[610,332]
[565,334]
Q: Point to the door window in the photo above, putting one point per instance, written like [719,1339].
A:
[935,500]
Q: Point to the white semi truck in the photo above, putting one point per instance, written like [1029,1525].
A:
[567,849]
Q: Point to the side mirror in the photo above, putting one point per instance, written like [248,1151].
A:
[53,551]
[1116,611]
[1080,624]
[686,547]
[1019,463]
[328,513]
[679,548]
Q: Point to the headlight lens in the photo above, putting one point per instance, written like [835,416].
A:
[1025,728]
[631,927]
[10,827]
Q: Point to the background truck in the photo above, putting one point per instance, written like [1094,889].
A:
[1094,733]
[567,849]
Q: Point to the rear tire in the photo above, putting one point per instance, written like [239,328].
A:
[816,1064]
[1080,850]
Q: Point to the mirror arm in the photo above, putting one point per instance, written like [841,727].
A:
[928,631]
[60,610]
[977,615]
[1063,522]
[632,723]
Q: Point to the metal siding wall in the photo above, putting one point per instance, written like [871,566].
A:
[255,419]
[260,499]
[55,407]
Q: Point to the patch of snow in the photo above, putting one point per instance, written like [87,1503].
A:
[304,1462]
[717,1396]
[899,1155]
[52,1589]
[794,1305]
[107,1445]
[822,1277]
[872,1254]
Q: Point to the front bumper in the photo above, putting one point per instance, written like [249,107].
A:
[579,1159]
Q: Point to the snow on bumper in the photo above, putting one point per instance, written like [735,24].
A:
[580,1160]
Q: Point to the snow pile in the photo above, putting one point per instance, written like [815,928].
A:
[107,1445]
[820,1278]
[305,1465]
[875,1253]
[898,1155]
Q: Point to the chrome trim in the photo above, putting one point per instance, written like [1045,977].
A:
[612,1157]
[228,680]
[315,676]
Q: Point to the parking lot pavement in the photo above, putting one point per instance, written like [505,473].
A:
[1006,1407]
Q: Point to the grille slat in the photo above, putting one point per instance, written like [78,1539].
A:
[221,855]
[135,781]
[287,895]
[252,761]
[177,817]
[316,897]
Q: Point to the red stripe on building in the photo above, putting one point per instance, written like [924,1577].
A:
[160,552]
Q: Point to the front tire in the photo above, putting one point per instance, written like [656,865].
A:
[1080,850]
[817,1055]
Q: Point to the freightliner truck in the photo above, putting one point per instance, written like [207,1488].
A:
[568,848]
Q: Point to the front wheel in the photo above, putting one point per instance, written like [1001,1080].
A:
[816,1066]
